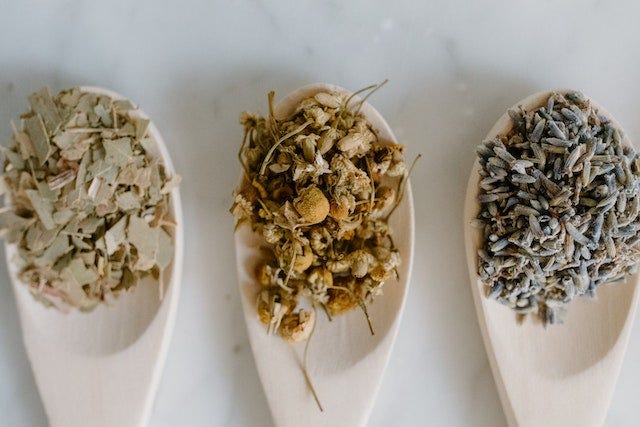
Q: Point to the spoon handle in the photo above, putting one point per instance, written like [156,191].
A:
[109,390]
[102,367]
[581,399]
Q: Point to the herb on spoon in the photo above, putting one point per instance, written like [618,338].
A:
[88,204]
[319,187]
[559,197]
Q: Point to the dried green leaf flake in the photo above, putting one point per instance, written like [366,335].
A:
[89,200]
[118,152]
[15,160]
[58,248]
[42,207]
[38,135]
[62,216]
[123,105]
[104,113]
[128,200]
[23,141]
[141,125]
[43,105]
[145,240]
[116,235]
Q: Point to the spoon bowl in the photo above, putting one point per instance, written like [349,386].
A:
[345,361]
[563,374]
[102,368]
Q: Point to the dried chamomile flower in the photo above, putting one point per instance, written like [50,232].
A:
[320,280]
[344,297]
[559,197]
[296,327]
[312,205]
[88,200]
[318,186]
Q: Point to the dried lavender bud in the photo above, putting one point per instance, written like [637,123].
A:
[559,207]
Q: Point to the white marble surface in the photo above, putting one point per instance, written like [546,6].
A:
[454,66]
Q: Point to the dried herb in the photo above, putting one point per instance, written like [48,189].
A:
[559,207]
[88,204]
[318,186]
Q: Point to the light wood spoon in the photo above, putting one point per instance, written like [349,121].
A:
[563,375]
[102,368]
[345,361]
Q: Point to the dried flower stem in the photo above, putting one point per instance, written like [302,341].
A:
[361,303]
[402,185]
[305,369]
[373,90]
[294,132]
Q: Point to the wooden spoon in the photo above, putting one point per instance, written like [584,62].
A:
[102,368]
[345,361]
[563,375]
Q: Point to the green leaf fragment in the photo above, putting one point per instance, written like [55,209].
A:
[24,145]
[80,244]
[105,114]
[81,175]
[90,224]
[123,105]
[79,272]
[66,140]
[14,158]
[12,225]
[142,126]
[70,97]
[150,147]
[37,239]
[128,200]
[42,207]
[145,240]
[116,235]
[118,152]
[46,192]
[78,148]
[76,275]
[34,127]
[62,216]
[58,248]
[86,178]
[128,279]
[42,104]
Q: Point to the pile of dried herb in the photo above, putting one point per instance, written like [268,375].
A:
[319,186]
[88,207]
[559,207]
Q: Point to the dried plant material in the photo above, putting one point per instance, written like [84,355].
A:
[559,207]
[296,327]
[318,186]
[312,205]
[88,203]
